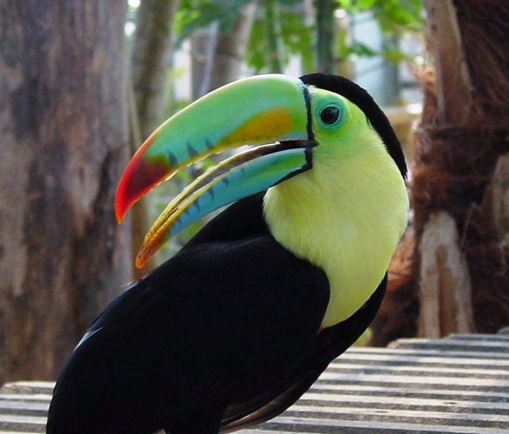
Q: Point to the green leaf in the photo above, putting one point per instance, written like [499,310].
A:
[195,14]
[296,35]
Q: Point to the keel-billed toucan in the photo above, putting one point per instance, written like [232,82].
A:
[236,326]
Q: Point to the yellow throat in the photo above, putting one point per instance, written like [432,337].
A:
[346,216]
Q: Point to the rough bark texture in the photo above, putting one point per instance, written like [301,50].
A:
[274,41]
[325,35]
[453,88]
[461,140]
[460,163]
[218,53]
[203,45]
[230,50]
[497,199]
[445,288]
[151,53]
[63,141]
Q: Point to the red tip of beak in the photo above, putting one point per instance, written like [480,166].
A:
[138,179]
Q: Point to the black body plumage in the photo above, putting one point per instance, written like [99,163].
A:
[212,336]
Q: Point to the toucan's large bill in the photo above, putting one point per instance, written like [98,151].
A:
[269,112]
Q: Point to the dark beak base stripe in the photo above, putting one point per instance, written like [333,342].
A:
[309,125]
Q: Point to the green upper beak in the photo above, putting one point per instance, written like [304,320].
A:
[256,111]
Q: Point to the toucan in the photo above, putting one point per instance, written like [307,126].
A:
[237,325]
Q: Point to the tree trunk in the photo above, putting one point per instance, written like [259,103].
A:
[464,133]
[274,43]
[445,288]
[217,55]
[230,49]
[460,182]
[203,47]
[63,141]
[325,35]
[149,67]
[150,57]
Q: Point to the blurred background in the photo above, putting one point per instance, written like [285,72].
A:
[82,84]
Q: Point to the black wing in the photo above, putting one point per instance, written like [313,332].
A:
[224,322]
[329,344]
[242,220]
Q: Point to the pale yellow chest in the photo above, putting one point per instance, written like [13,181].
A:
[345,217]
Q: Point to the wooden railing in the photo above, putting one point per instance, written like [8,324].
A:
[459,384]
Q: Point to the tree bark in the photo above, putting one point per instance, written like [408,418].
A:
[63,141]
[230,49]
[460,179]
[217,55]
[150,57]
[445,288]
[203,47]
[453,88]
[497,199]
[274,43]
[462,141]
[325,36]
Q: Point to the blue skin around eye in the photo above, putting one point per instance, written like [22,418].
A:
[247,179]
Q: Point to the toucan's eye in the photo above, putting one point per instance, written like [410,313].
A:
[330,115]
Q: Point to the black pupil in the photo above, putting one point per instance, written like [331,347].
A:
[329,115]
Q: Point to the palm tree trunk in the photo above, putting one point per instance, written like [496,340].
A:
[462,273]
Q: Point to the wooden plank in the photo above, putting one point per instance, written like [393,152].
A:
[24,408]
[457,371]
[293,425]
[45,387]
[24,432]
[503,338]
[418,362]
[395,348]
[433,388]
[451,345]
[339,413]
[396,359]
[431,382]
[401,402]
[366,388]
[25,397]
[22,423]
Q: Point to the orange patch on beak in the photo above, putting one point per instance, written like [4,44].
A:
[272,123]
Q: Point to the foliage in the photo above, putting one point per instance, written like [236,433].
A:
[394,16]
[196,14]
[296,35]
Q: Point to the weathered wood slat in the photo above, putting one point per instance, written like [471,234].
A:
[22,423]
[24,408]
[365,388]
[455,385]
[419,358]
[293,425]
[403,402]
[456,371]
[419,381]
[339,413]
[453,345]
[427,352]
[504,338]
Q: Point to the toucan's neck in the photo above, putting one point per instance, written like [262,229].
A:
[346,216]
